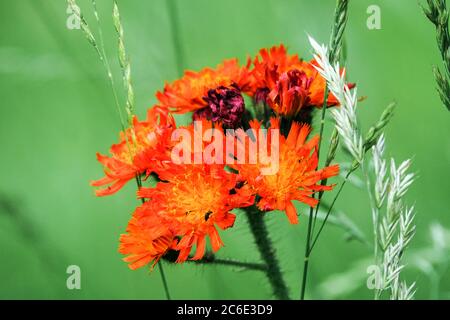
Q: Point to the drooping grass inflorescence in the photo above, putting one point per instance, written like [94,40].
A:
[437,13]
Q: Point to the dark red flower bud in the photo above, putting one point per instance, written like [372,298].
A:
[226,105]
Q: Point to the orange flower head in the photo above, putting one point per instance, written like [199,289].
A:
[274,80]
[297,176]
[291,93]
[188,93]
[141,149]
[270,64]
[193,200]
[147,239]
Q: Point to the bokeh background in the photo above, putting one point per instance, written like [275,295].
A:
[57,111]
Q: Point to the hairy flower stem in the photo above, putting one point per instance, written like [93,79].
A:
[265,247]
[211,259]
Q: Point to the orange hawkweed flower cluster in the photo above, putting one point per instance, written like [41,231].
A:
[191,201]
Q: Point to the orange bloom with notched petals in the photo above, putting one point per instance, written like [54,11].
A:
[287,83]
[141,149]
[297,177]
[193,200]
[291,93]
[188,93]
[270,64]
[147,239]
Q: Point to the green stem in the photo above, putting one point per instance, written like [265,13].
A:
[322,126]
[161,270]
[307,254]
[104,59]
[375,219]
[375,212]
[331,206]
[322,119]
[264,244]
[313,217]
[163,277]
[337,31]
[211,259]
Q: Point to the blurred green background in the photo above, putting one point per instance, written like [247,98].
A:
[57,111]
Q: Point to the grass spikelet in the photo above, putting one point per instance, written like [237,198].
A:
[345,116]
[438,14]
[124,64]
[396,228]
[376,130]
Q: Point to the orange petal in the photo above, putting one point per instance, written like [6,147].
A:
[291,212]
[111,189]
[201,246]
[216,242]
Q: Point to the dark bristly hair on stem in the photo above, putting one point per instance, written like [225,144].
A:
[438,14]
[210,259]
[264,243]
[337,32]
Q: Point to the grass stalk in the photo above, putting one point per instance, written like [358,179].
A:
[330,208]
[100,50]
[340,21]
[375,210]
[125,65]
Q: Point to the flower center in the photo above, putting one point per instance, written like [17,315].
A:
[196,201]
